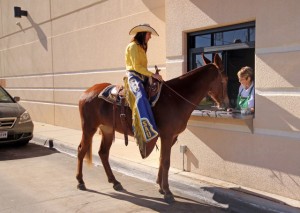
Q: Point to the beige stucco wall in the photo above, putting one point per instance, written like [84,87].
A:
[63,47]
[267,157]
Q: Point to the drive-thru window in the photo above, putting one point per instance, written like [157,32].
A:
[235,44]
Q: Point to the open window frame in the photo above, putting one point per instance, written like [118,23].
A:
[236,46]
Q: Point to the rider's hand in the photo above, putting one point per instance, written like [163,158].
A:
[157,76]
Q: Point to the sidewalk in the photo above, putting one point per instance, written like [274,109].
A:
[127,160]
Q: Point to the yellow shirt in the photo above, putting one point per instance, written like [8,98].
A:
[136,59]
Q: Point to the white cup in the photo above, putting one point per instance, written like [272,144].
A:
[245,111]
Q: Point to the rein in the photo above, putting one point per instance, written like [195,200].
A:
[164,83]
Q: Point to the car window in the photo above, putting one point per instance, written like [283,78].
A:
[4,97]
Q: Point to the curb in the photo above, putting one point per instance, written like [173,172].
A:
[233,200]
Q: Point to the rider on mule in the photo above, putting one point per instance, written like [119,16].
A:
[137,76]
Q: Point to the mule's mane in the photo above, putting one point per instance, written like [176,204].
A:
[198,69]
[192,72]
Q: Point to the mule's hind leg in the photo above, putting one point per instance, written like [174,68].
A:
[84,146]
[106,142]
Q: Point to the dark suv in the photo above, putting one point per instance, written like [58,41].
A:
[15,123]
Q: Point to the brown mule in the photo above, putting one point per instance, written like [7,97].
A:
[178,99]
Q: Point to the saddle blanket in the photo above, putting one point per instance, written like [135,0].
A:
[110,94]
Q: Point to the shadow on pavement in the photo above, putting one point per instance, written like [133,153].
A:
[247,201]
[159,205]
[14,152]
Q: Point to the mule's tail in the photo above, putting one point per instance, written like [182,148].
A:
[88,109]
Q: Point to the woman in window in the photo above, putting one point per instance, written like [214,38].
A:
[245,98]
[137,75]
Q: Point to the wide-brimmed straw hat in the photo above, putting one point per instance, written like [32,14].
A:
[142,28]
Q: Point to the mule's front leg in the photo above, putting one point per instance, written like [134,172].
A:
[106,142]
[163,173]
[159,179]
[160,170]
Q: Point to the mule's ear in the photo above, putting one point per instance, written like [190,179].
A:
[206,60]
[218,61]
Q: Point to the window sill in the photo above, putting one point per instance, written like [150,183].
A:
[222,120]
[222,114]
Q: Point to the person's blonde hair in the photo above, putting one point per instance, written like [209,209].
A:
[246,72]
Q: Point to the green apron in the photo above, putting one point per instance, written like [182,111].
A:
[242,102]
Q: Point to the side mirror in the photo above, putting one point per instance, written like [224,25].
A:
[17,98]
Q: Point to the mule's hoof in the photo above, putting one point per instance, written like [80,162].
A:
[169,198]
[118,187]
[81,186]
[161,191]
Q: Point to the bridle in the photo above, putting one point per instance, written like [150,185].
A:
[222,85]
[191,103]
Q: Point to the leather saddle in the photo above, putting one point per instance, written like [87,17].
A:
[115,93]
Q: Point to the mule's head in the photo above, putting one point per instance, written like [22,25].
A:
[218,89]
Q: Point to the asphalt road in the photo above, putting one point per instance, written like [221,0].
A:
[38,179]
